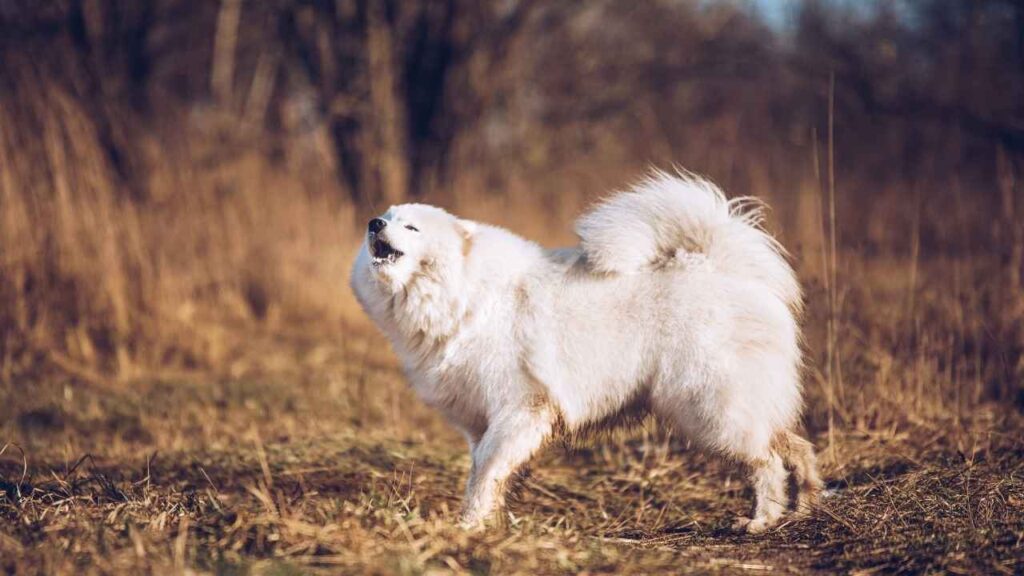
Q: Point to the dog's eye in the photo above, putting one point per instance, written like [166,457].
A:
[411,227]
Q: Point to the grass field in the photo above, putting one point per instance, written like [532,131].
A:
[187,385]
[309,454]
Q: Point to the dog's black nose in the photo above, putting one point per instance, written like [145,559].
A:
[377,224]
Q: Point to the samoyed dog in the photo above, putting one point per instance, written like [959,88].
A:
[676,303]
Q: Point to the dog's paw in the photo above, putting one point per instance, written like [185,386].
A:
[740,524]
[752,525]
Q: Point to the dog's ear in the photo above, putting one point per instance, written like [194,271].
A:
[467,228]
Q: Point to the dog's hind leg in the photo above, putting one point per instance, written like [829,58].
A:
[508,443]
[768,478]
[730,424]
[798,454]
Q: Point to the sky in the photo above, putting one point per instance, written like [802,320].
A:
[776,12]
[779,13]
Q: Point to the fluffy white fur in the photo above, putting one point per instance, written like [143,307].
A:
[676,303]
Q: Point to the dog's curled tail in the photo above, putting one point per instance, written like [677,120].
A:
[668,215]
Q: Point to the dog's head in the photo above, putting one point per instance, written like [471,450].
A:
[411,240]
[411,250]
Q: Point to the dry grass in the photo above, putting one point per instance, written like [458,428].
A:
[382,506]
[312,455]
[109,282]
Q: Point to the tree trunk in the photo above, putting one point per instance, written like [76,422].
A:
[386,159]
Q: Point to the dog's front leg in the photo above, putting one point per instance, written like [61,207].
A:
[508,444]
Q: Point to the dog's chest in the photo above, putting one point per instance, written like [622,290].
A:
[451,390]
[458,377]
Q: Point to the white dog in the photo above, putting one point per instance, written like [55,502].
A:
[676,303]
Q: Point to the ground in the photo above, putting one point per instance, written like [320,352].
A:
[312,456]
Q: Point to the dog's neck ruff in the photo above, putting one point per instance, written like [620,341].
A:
[426,309]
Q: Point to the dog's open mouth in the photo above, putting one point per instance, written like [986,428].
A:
[383,252]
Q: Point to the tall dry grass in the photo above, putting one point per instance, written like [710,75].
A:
[221,231]
[102,281]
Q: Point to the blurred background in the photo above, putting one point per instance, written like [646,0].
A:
[178,177]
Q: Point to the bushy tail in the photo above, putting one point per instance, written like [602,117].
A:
[665,215]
